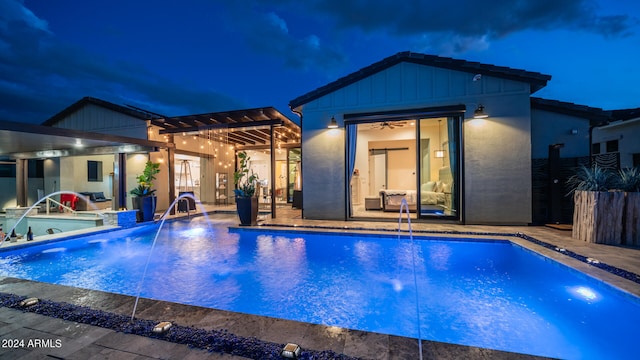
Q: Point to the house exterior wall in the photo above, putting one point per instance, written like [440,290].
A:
[497,153]
[99,119]
[497,163]
[549,128]
[626,132]
[73,174]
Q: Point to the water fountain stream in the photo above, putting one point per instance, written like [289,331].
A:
[153,244]
[404,206]
[46,198]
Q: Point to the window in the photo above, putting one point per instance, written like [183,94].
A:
[7,169]
[612,146]
[595,148]
[94,172]
[636,159]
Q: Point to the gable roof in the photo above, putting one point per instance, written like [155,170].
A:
[136,113]
[537,80]
[596,116]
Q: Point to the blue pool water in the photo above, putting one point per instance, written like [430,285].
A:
[491,294]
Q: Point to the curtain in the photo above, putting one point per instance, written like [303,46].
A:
[452,131]
[352,136]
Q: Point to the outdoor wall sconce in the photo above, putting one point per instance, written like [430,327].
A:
[333,124]
[574,131]
[291,351]
[479,113]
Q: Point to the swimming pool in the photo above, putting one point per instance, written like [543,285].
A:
[484,293]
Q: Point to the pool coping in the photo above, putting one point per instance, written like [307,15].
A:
[325,342]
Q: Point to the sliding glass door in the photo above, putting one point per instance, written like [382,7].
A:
[438,159]
[413,159]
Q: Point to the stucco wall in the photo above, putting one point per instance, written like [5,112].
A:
[497,163]
[549,128]
[73,174]
[497,156]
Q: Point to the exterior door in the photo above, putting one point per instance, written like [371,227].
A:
[555,185]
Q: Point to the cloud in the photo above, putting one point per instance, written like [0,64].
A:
[15,11]
[268,33]
[460,25]
[35,64]
[492,18]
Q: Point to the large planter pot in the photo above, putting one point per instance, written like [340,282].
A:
[598,216]
[146,206]
[247,208]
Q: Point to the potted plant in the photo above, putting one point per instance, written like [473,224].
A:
[606,208]
[246,200]
[145,199]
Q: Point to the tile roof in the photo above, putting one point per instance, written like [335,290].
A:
[625,114]
[537,80]
[596,116]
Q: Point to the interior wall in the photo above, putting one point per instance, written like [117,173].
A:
[401,164]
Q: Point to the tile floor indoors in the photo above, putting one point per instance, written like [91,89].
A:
[79,341]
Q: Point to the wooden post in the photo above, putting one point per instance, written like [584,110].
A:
[631,234]
[598,216]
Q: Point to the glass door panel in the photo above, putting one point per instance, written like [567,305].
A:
[438,156]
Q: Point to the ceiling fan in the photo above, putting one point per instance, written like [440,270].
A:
[389,125]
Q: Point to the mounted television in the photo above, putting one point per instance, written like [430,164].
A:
[94,172]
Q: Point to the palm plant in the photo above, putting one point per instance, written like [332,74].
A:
[593,178]
[628,179]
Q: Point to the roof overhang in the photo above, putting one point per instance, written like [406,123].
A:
[619,123]
[27,141]
[242,128]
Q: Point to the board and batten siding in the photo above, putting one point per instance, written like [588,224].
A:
[497,151]
[98,119]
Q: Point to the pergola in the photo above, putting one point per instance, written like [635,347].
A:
[249,128]
[258,128]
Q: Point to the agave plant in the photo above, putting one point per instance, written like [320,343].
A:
[593,178]
[628,180]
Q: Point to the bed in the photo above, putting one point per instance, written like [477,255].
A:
[392,199]
[434,195]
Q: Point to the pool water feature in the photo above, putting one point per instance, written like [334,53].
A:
[163,218]
[404,208]
[485,293]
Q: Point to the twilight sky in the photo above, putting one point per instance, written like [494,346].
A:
[197,56]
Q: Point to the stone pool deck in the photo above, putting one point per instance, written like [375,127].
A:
[80,341]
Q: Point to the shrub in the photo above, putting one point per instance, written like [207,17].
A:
[628,180]
[593,178]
